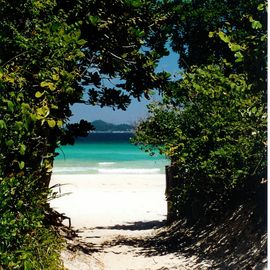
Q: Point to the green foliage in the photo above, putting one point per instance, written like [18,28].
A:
[49,51]
[37,80]
[26,243]
[217,118]
[216,138]
[47,55]
[212,123]
[121,44]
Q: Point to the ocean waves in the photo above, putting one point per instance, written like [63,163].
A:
[74,170]
[97,170]
[107,154]
[106,163]
[129,171]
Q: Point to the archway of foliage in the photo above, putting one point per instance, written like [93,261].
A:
[49,51]
[212,123]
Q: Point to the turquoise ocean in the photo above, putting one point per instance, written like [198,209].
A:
[107,153]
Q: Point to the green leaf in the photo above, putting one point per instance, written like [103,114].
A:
[10,143]
[22,149]
[234,47]
[49,85]
[223,37]
[135,3]
[93,19]
[256,25]
[239,56]
[27,265]
[55,77]
[39,94]
[43,111]
[263,38]
[25,107]
[2,124]
[254,110]
[52,86]
[21,165]
[60,123]
[20,203]
[9,79]
[81,42]
[19,125]
[51,123]
[260,7]
[11,106]
[211,34]
[44,84]
[33,117]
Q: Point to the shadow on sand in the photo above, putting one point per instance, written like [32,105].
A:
[135,226]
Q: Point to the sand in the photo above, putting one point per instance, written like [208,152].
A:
[108,207]
[107,200]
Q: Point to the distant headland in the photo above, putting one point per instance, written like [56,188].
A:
[102,126]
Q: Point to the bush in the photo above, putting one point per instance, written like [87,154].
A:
[26,242]
[216,138]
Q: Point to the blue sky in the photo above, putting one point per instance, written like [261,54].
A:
[136,111]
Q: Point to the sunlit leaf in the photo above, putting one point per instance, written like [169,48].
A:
[39,94]
[51,123]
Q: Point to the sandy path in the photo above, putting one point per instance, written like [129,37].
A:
[109,208]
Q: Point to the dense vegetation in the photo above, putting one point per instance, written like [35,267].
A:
[51,49]
[212,122]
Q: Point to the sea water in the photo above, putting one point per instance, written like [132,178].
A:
[107,153]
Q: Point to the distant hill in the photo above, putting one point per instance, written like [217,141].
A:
[109,127]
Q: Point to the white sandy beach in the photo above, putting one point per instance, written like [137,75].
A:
[92,200]
[97,203]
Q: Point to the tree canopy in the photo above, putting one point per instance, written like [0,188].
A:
[56,53]
[212,122]
[51,51]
